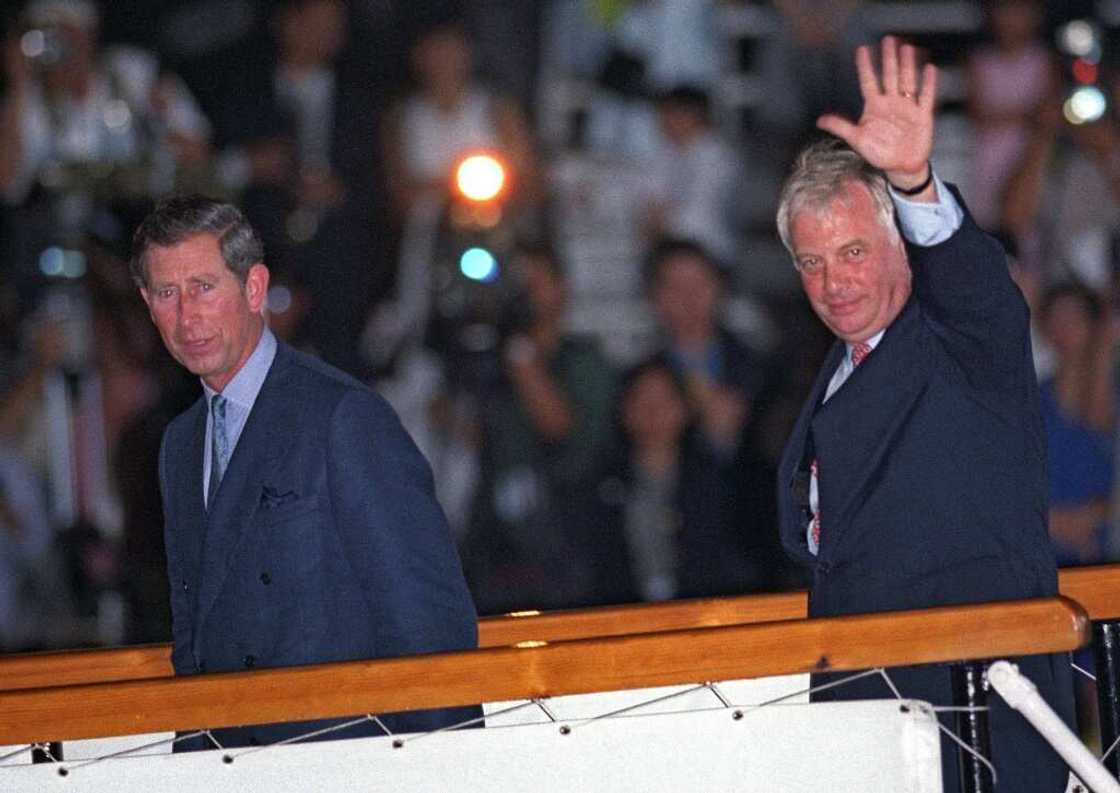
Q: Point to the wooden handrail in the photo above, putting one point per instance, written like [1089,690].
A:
[639,618]
[145,662]
[77,667]
[1096,588]
[550,669]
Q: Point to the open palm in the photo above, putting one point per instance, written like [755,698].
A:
[895,131]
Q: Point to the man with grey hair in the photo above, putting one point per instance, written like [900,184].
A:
[915,475]
[300,520]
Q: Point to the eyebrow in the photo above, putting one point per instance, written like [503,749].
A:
[194,279]
[856,241]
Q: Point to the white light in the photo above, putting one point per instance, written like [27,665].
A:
[33,44]
[116,114]
[1078,38]
[478,264]
[52,261]
[73,264]
[279,299]
[480,177]
[1085,105]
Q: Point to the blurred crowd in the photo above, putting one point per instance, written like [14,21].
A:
[603,362]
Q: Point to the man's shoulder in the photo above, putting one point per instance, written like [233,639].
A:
[303,366]
[301,376]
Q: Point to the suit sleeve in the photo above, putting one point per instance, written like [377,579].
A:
[973,307]
[181,658]
[395,533]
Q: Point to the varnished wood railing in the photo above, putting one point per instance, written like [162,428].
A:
[1096,588]
[548,669]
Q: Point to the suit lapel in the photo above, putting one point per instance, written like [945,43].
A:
[238,496]
[186,487]
[855,430]
[793,527]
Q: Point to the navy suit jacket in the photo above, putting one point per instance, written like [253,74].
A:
[324,542]
[932,481]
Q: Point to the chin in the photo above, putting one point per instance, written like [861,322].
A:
[199,368]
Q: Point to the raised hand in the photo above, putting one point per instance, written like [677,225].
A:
[895,132]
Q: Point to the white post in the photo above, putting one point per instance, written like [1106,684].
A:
[1021,694]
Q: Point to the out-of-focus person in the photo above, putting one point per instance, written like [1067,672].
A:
[83,127]
[680,512]
[448,115]
[806,67]
[546,437]
[695,175]
[71,102]
[26,546]
[1061,202]
[298,129]
[654,46]
[1008,78]
[722,376]
[36,607]
[1079,413]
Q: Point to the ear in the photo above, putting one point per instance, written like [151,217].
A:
[256,287]
[147,302]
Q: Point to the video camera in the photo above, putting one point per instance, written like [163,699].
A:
[477,303]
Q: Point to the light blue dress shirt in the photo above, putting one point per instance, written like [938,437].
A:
[240,393]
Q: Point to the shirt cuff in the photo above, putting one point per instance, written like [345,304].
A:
[927,224]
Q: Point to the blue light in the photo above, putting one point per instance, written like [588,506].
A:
[52,261]
[478,264]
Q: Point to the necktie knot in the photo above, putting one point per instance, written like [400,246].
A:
[859,352]
[218,407]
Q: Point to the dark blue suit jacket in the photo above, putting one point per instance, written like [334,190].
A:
[933,481]
[324,542]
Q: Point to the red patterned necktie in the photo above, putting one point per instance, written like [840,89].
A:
[860,351]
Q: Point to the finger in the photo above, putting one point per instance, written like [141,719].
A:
[928,97]
[890,65]
[840,127]
[908,71]
[868,82]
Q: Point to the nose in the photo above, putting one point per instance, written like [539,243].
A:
[188,309]
[834,279]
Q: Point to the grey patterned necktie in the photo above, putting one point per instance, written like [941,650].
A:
[219,445]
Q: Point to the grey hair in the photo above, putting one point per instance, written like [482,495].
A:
[821,173]
[177,219]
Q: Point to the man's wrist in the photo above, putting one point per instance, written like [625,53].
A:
[911,185]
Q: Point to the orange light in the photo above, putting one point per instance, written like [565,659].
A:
[480,177]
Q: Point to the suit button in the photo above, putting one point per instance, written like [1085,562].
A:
[249,661]
[186,586]
[266,579]
[823,568]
